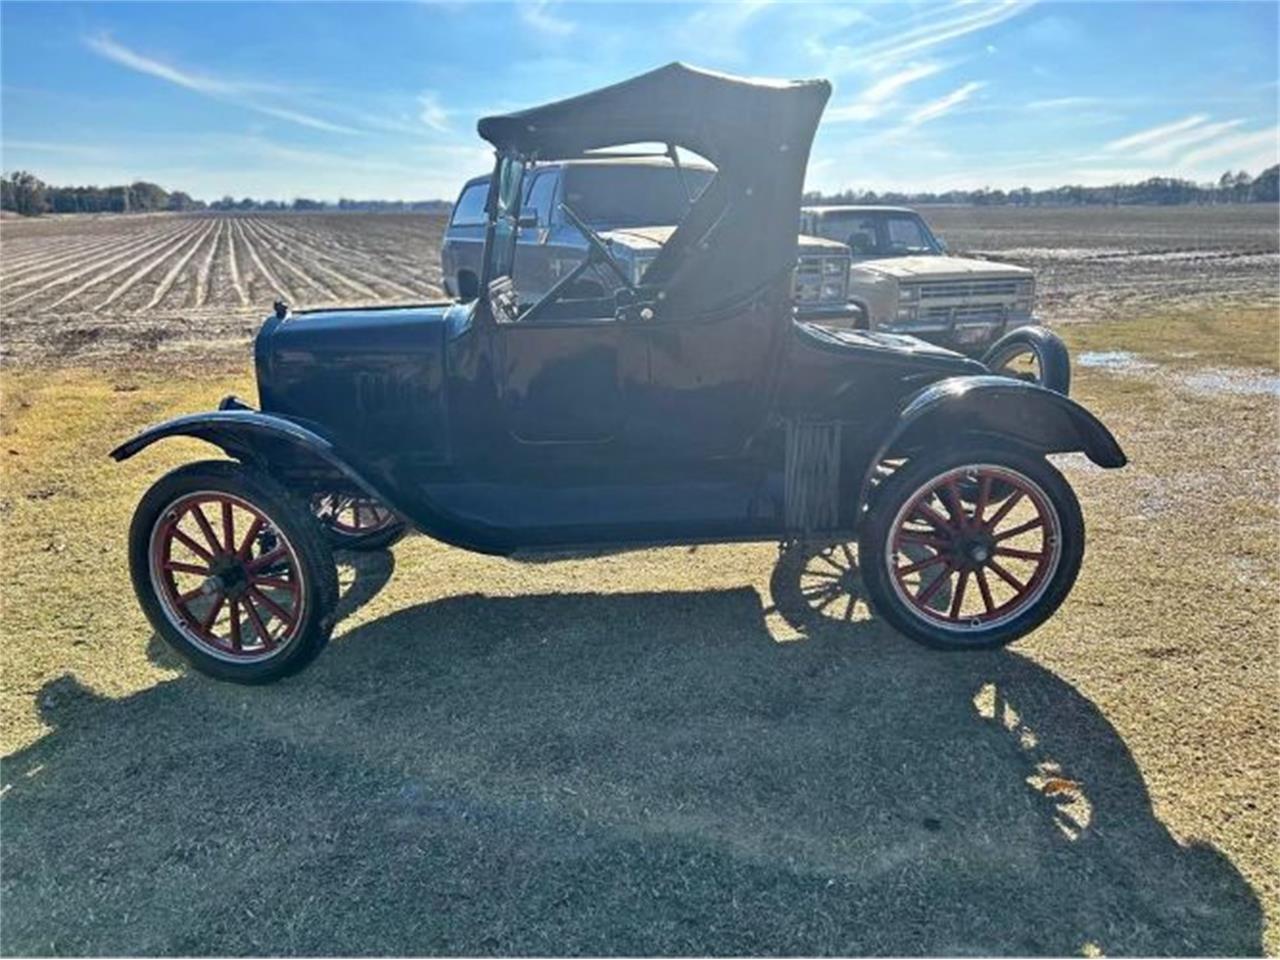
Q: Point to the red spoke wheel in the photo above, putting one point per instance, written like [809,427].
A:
[357,523]
[973,549]
[231,572]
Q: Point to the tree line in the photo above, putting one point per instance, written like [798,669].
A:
[25,193]
[1231,187]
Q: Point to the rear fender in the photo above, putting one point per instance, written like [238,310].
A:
[1005,410]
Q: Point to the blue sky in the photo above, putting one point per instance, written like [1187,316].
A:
[278,100]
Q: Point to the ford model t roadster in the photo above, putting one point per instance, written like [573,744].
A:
[688,406]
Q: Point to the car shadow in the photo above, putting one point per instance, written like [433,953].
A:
[604,774]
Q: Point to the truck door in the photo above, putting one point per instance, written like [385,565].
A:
[533,276]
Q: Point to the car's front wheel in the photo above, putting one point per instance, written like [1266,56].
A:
[233,573]
[1033,355]
[973,548]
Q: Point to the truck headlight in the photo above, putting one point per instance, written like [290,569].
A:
[832,266]
[907,313]
[909,293]
[1025,297]
[833,291]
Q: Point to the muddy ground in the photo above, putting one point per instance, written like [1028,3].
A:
[1095,263]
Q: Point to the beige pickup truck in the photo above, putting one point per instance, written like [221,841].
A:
[906,281]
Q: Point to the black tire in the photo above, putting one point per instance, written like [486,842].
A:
[898,536]
[277,578]
[342,536]
[1014,353]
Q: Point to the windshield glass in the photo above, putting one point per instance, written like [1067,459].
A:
[872,234]
[608,197]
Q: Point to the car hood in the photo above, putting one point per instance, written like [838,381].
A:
[941,268]
[652,238]
[888,345]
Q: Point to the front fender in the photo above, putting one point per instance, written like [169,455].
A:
[1027,414]
[290,451]
[254,437]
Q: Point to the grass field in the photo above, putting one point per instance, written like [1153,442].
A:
[661,752]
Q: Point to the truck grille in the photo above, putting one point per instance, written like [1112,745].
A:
[963,289]
[966,313]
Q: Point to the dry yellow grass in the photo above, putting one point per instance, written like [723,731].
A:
[659,751]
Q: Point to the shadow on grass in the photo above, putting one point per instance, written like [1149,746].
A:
[603,774]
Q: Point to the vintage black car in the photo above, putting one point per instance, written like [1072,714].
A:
[690,408]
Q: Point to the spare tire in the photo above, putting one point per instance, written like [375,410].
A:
[1033,354]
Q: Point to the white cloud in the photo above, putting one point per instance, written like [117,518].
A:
[1170,145]
[431,112]
[240,93]
[1261,148]
[538,15]
[961,20]
[1064,103]
[943,105]
[1156,135]
[876,98]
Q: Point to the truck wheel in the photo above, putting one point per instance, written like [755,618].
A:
[1033,354]
[950,568]
[232,572]
[357,523]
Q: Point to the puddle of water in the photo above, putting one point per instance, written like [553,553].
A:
[1113,360]
[1240,382]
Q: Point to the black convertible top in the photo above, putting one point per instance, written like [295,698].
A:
[740,235]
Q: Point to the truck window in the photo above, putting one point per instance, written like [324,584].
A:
[861,237]
[907,235]
[618,195]
[540,195]
[469,210]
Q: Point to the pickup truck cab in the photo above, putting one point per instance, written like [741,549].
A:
[906,281]
[634,204]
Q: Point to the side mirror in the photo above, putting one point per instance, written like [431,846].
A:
[942,244]
[527,220]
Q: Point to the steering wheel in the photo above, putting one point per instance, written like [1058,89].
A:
[597,245]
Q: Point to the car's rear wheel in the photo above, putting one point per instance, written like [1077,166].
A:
[357,523]
[232,572]
[973,548]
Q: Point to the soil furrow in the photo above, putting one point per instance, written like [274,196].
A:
[178,267]
[131,255]
[271,246]
[275,283]
[13,268]
[233,268]
[116,253]
[156,261]
[369,277]
[318,265]
[206,265]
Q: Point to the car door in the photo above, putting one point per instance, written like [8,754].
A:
[564,386]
